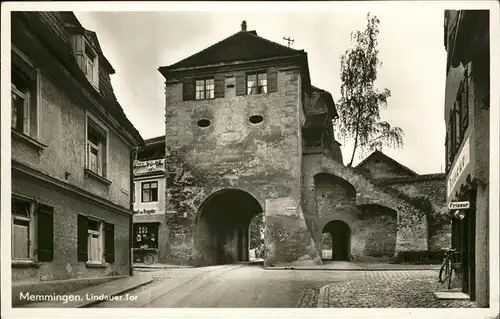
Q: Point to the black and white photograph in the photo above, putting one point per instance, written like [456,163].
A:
[250,159]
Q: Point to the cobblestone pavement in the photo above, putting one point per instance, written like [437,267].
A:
[390,289]
[309,298]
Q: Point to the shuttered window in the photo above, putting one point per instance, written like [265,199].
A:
[32,231]
[220,85]
[188,89]
[96,240]
[464,105]
[205,89]
[82,244]
[45,233]
[251,83]
[109,242]
[272,80]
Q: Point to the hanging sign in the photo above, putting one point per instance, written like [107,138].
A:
[459,205]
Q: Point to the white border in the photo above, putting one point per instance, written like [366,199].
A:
[8,312]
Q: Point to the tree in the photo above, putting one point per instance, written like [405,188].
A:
[359,107]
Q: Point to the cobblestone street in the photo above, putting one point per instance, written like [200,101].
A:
[389,289]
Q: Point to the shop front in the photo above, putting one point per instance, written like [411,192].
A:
[149,242]
[461,198]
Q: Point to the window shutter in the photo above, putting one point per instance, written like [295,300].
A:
[45,234]
[96,71]
[272,80]
[241,85]
[82,238]
[78,49]
[220,85]
[109,242]
[188,89]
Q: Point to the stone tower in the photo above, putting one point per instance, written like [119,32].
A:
[235,114]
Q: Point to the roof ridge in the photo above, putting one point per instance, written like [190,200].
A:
[203,50]
[387,156]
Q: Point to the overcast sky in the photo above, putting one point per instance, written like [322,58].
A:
[411,48]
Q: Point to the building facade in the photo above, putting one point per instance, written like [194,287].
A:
[72,153]
[467,143]
[246,134]
[150,229]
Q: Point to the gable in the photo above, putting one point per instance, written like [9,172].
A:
[378,165]
[241,46]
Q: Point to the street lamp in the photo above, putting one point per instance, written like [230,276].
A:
[459,214]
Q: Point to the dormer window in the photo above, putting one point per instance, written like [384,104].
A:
[90,59]
[87,58]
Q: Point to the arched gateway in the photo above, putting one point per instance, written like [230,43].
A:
[222,226]
[340,235]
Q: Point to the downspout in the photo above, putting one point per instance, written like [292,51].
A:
[133,155]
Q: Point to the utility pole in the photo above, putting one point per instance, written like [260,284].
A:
[289,40]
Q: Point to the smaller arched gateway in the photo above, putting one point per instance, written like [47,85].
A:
[340,235]
[222,226]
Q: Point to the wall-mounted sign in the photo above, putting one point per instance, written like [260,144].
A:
[291,208]
[145,211]
[459,205]
[461,162]
[153,163]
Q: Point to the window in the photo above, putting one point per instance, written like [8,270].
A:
[22,230]
[24,89]
[96,153]
[458,135]
[149,192]
[133,193]
[205,89]
[96,240]
[256,83]
[464,107]
[90,64]
[32,231]
[145,235]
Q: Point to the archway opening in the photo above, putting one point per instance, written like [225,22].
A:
[256,238]
[223,226]
[340,235]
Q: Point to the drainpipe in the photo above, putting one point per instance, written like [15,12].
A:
[133,154]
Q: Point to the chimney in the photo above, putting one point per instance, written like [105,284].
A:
[244,26]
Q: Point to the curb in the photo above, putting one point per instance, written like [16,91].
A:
[343,269]
[94,302]
[321,297]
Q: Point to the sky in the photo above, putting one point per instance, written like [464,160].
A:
[411,48]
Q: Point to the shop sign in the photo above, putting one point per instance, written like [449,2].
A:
[150,165]
[459,205]
[145,211]
[458,169]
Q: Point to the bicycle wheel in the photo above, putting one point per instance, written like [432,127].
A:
[443,272]
[148,259]
[450,272]
[137,259]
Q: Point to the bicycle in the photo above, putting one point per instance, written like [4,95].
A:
[141,256]
[445,273]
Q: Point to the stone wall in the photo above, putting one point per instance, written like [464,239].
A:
[377,236]
[262,159]
[429,191]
